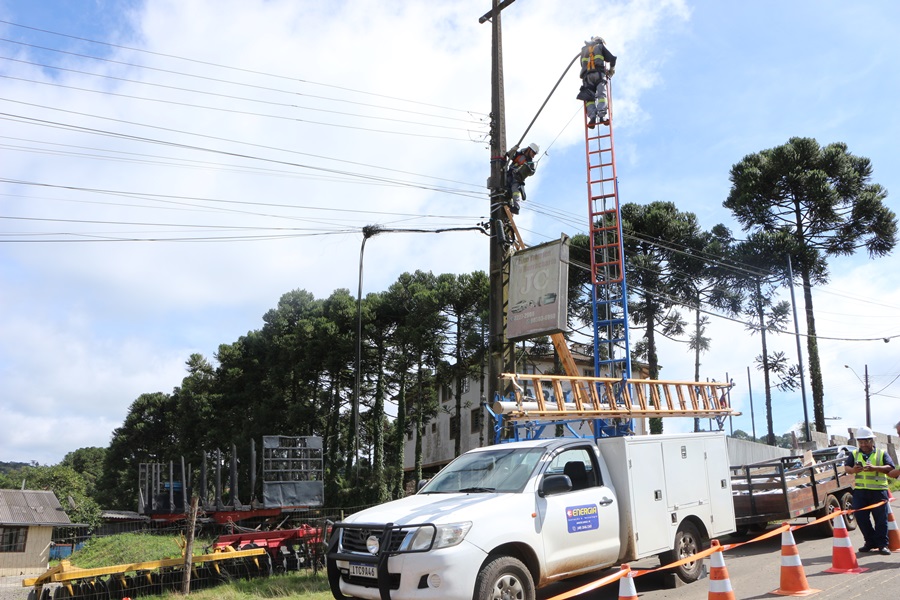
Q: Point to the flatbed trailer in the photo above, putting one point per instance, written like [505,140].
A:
[784,489]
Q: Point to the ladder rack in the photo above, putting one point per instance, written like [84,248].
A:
[557,397]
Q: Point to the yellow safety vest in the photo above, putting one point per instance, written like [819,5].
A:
[870,480]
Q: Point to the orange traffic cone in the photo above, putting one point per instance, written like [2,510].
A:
[843,558]
[893,531]
[626,585]
[793,579]
[719,583]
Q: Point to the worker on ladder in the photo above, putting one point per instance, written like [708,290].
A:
[521,166]
[594,56]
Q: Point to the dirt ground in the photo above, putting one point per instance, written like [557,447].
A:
[11,588]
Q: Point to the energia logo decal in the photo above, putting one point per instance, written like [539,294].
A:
[582,518]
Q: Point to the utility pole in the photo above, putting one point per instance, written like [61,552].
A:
[868,404]
[499,346]
[865,382]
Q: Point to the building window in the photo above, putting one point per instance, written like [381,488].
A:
[434,427]
[409,436]
[465,385]
[12,539]
[454,426]
[474,420]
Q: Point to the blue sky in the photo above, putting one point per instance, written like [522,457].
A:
[338,115]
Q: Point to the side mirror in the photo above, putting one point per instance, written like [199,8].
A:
[554,484]
[421,483]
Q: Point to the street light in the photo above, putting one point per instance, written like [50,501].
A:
[369,231]
[866,384]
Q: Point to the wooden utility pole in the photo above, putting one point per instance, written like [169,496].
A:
[189,546]
[500,347]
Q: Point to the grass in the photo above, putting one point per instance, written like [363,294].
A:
[128,548]
[291,586]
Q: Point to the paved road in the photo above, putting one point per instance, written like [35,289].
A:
[755,572]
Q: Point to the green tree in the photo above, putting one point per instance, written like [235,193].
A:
[87,462]
[822,197]
[148,434]
[659,275]
[757,284]
[465,299]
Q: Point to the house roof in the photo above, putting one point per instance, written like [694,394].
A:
[31,507]
[122,515]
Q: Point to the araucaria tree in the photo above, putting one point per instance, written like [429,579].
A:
[823,199]
[659,274]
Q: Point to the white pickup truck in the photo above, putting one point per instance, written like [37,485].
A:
[501,521]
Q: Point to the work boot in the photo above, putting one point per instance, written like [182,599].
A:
[884,551]
[605,121]
[591,124]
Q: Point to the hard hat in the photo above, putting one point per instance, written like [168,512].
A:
[598,40]
[534,147]
[864,433]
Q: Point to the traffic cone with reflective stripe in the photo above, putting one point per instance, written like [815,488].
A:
[893,531]
[843,558]
[719,583]
[793,579]
[626,585]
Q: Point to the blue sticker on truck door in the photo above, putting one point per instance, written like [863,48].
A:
[582,518]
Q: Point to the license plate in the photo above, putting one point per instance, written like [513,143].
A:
[363,570]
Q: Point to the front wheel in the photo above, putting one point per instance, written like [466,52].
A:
[504,578]
[687,543]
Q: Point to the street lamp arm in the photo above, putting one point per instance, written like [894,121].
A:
[855,373]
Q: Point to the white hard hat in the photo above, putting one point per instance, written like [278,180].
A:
[864,433]
[534,147]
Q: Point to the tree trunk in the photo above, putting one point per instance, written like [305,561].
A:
[770,436]
[656,424]
[812,349]
[378,475]
[697,355]
[460,373]
[400,434]
[420,391]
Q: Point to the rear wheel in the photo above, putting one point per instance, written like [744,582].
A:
[504,578]
[847,504]
[687,543]
[831,504]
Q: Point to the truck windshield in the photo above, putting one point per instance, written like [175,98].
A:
[501,470]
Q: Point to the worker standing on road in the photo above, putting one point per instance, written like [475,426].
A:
[594,56]
[521,166]
[871,468]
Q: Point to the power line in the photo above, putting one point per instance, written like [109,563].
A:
[212,64]
[268,116]
[245,98]
[47,123]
